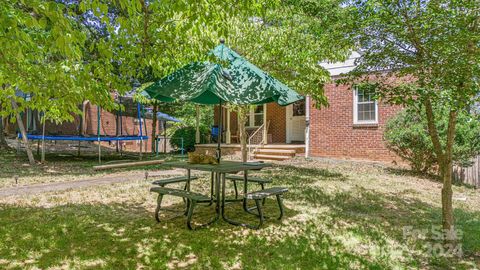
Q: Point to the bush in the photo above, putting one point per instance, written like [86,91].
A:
[406,134]
[188,135]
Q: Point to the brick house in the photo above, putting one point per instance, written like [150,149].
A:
[351,126]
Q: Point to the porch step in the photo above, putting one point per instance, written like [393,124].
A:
[299,148]
[276,152]
[271,157]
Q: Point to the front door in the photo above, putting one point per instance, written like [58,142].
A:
[296,122]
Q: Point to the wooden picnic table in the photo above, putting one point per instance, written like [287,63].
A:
[218,174]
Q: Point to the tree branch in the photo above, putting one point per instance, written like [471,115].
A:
[432,130]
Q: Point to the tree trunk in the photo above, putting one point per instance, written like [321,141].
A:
[154,126]
[3,142]
[446,169]
[242,120]
[21,127]
[444,159]
[447,207]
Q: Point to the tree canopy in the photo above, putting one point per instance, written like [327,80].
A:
[64,52]
[42,55]
[291,39]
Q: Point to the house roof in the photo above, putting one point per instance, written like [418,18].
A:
[338,68]
[161,116]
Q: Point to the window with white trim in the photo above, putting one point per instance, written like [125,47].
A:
[255,118]
[365,107]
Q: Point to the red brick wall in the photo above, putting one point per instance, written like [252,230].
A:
[278,126]
[130,127]
[333,134]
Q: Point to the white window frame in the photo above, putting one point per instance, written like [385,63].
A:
[355,111]
[251,116]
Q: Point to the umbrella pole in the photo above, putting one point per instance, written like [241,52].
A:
[165,137]
[220,127]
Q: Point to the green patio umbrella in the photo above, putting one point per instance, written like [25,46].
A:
[233,80]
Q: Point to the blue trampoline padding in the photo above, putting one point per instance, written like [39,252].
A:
[81,138]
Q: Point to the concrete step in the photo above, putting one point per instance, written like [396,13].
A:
[271,157]
[277,152]
[283,146]
[299,148]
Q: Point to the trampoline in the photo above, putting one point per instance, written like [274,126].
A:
[98,137]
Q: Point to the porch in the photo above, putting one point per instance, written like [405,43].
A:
[273,132]
[273,151]
[266,124]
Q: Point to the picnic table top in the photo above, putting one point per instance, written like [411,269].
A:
[222,167]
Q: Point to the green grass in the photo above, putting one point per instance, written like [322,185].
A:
[340,215]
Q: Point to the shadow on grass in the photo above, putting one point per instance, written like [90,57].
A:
[409,172]
[117,236]
[288,174]
[125,236]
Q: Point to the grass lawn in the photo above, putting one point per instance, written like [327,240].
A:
[339,215]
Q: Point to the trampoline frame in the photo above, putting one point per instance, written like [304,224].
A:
[83,138]
[99,138]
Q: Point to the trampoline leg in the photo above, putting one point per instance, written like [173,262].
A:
[43,151]
[99,152]
[43,140]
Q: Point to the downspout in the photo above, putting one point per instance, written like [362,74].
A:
[307,126]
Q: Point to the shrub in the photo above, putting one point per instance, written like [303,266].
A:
[406,134]
[188,135]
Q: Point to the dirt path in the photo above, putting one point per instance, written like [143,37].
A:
[95,181]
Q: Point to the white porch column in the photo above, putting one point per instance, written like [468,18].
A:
[307,126]
[228,133]
[265,131]
[197,125]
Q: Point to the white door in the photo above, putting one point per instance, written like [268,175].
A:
[296,122]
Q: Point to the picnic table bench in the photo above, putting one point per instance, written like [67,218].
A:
[192,198]
[179,179]
[260,195]
[240,178]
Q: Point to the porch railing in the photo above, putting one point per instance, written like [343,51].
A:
[257,140]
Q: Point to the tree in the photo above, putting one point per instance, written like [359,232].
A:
[289,39]
[433,46]
[42,53]
[64,52]
[153,38]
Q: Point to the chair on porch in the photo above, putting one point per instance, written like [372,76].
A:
[214,134]
[235,137]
